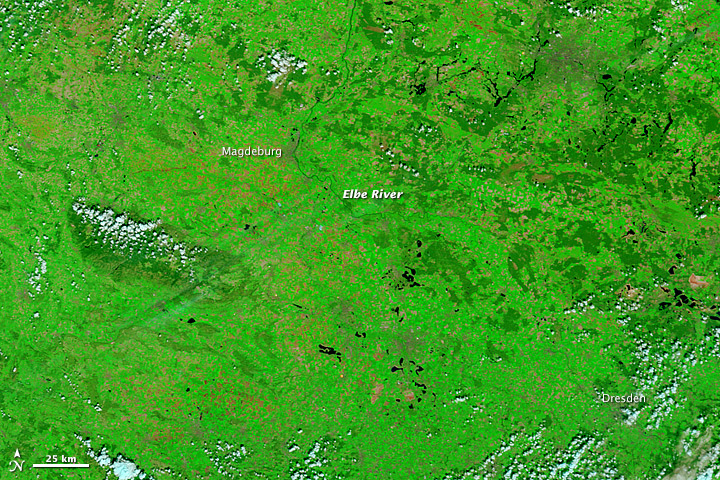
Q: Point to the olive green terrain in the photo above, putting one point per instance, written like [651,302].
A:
[172,312]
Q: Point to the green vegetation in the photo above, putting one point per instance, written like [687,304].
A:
[170,311]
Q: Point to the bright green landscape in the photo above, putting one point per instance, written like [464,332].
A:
[173,310]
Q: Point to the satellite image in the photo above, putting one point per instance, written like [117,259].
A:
[307,240]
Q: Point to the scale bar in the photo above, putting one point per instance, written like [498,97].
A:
[61,465]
